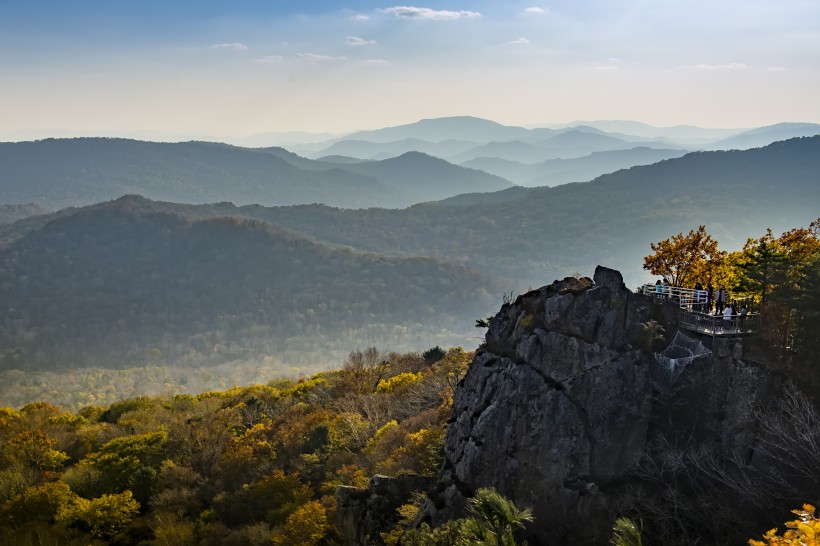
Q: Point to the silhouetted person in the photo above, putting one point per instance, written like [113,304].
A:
[741,319]
[700,296]
[720,297]
[710,297]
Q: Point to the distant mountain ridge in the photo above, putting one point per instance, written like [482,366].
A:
[59,173]
[560,171]
[528,234]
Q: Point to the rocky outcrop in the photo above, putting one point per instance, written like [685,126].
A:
[364,513]
[564,401]
[566,410]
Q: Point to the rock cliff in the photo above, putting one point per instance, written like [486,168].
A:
[566,410]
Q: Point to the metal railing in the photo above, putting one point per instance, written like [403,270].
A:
[686,297]
[695,316]
[719,325]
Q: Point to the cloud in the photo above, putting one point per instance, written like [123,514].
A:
[776,69]
[412,12]
[375,61]
[536,10]
[520,41]
[269,59]
[235,46]
[314,57]
[726,66]
[356,41]
[360,18]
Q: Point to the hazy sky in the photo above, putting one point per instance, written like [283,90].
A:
[210,68]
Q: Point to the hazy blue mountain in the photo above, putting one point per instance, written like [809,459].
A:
[447,128]
[363,149]
[686,135]
[514,150]
[340,159]
[560,171]
[567,144]
[578,143]
[60,172]
[132,282]
[551,232]
[764,136]
[428,178]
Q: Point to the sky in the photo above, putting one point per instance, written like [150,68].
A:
[219,69]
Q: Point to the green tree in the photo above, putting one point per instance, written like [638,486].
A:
[762,265]
[625,532]
[102,517]
[494,520]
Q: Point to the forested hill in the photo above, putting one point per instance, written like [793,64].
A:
[64,172]
[116,285]
[548,233]
[532,236]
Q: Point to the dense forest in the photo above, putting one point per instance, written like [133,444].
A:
[116,287]
[250,465]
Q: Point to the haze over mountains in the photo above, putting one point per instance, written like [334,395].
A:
[424,161]
[135,281]
[238,254]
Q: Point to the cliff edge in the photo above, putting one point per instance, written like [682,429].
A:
[568,409]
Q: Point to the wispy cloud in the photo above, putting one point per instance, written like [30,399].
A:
[234,46]
[726,66]
[269,59]
[356,41]
[520,41]
[536,10]
[412,12]
[314,57]
[360,17]
[776,69]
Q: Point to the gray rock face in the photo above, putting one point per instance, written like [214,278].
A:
[561,404]
[364,513]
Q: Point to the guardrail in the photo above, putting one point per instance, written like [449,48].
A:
[694,315]
[686,297]
[719,325]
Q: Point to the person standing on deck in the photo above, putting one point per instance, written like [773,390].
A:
[710,297]
[727,318]
[720,297]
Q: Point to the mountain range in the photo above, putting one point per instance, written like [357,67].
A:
[396,167]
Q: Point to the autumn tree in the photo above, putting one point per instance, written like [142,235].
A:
[684,259]
[803,531]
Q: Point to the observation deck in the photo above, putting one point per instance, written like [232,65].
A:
[696,318]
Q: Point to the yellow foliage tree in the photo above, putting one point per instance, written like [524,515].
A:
[684,259]
[306,526]
[804,531]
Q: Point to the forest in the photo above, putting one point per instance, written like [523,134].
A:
[248,465]
[118,287]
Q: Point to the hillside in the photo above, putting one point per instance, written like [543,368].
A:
[363,149]
[56,173]
[762,136]
[428,178]
[12,213]
[552,232]
[121,285]
[560,171]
